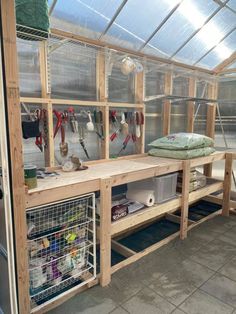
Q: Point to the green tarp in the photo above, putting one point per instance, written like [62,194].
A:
[33,14]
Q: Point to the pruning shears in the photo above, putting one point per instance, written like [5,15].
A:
[125,143]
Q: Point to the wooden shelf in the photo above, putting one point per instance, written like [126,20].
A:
[148,213]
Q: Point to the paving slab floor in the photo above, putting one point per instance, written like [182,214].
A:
[194,276]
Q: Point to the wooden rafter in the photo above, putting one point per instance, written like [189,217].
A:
[225,63]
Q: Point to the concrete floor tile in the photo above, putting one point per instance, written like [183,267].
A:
[215,254]
[88,302]
[173,287]
[202,234]
[222,288]
[229,269]
[119,310]
[200,302]
[178,311]
[148,302]
[121,288]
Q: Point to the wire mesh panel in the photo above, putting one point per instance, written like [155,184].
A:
[61,247]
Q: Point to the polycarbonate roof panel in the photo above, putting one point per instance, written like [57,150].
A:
[91,17]
[232,66]
[232,4]
[137,21]
[220,52]
[183,23]
[209,36]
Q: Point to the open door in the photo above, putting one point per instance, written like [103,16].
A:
[8,293]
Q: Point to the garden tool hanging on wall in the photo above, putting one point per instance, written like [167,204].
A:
[62,119]
[115,124]
[98,124]
[125,143]
[73,120]
[81,141]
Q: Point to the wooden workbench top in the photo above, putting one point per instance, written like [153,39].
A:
[69,184]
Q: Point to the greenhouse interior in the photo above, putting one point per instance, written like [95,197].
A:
[118,156]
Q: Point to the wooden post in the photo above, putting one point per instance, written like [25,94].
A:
[190,110]
[185,200]
[16,155]
[139,96]
[102,96]
[166,107]
[49,150]
[227,184]
[105,231]
[210,131]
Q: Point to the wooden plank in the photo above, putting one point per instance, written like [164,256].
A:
[190,111]
[60,299]
[227,184]
[102,96]
[60,193]
[185,199]
[105,231]
[210,132]
[219,200]
[217,213]
[14,132]
[166,115]
[176,219]
[36,100]
[99,43]
[208,159]
[139,98]
[225,63]
[121,249]
[212,187]
[143,253]
[143,215]
[49,149]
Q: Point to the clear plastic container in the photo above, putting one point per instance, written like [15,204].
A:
[164,186]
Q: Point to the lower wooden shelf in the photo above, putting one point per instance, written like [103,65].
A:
[149,213]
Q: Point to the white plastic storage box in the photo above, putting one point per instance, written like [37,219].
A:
[164,186]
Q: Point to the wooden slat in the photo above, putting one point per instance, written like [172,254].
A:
[210,132]
[105,231]
[227,184]
[190,110]
[139,96]
[49,150]
[185,199]
[208,159]
[143,215]
[16,153]
[61,192]
[225,63]
[102,96]
[143,253]
[121,249]
[166,114]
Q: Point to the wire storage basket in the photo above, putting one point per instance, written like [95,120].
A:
[61,247]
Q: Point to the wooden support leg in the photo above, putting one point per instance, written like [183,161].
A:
[185,200]
[227,184]
[105,231]
[210,131]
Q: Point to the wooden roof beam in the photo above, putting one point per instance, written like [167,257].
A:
[225,63]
